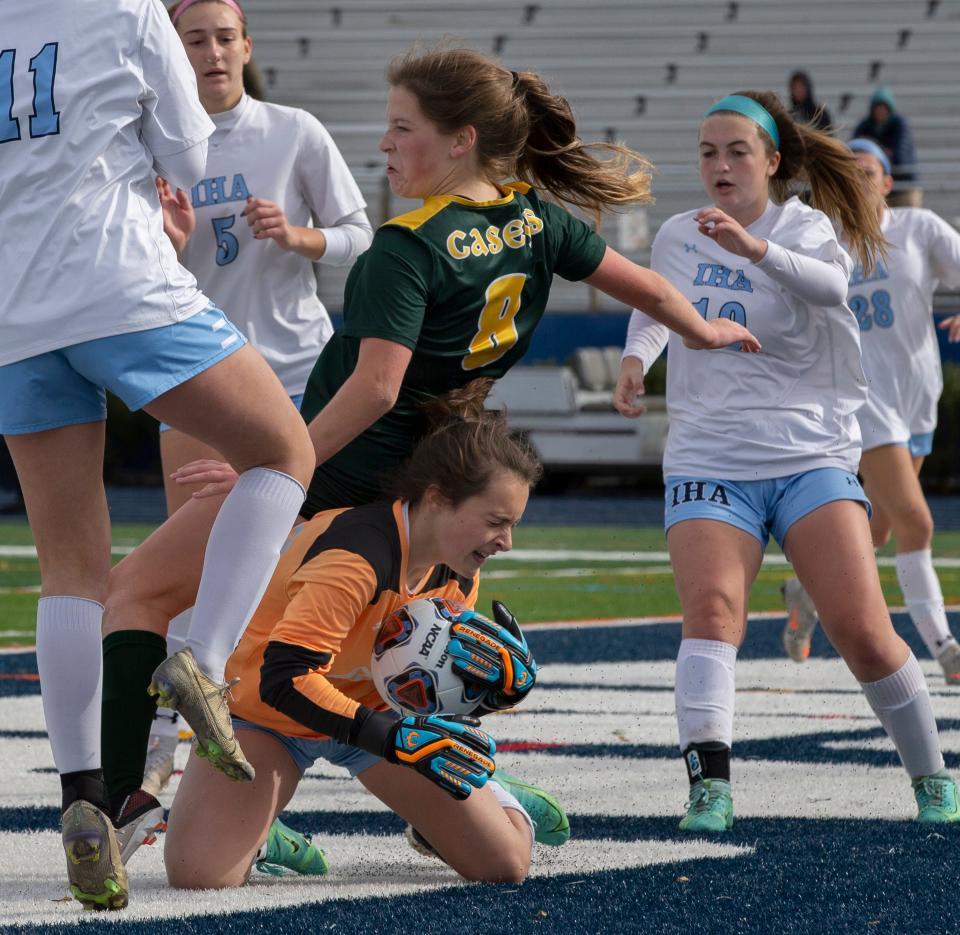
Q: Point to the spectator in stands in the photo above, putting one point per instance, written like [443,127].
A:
[892,131]
[803,104]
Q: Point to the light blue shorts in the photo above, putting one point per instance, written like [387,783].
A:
[306,752]
[759,507]
[66,386]
[920,445]
[296,400]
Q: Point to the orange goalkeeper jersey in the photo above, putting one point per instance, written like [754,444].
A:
[339,575]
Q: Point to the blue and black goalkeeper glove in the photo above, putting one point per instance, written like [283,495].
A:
[450,751]
[493,654]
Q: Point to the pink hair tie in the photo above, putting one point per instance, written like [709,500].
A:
[186,4]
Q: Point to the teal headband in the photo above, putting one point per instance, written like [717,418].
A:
[748,107]
[861,145]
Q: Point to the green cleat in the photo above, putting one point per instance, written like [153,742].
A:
[550,822]
[96,873]
[181,684]
[936,797]
[291,850]
[710,807]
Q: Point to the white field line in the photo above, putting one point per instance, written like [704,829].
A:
[596,555]
[765,616]
[29,551]
[536,555]
[631,570]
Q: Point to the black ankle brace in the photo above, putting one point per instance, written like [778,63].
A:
[86,784]
[707,761]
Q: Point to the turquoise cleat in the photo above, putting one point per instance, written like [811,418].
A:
[290,850]
[936,797]
[550,822]
[710,808]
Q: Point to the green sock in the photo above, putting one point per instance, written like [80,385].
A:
[129,660]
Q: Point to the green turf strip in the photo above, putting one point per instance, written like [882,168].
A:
[533,595]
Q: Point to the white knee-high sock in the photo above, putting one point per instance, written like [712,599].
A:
[902,704]
[704,692]
[924,598]
[166,721]
[242,553]
[70,662]
[507,799]
[178,631]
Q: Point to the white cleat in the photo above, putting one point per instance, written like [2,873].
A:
[949,659]
[801,620]
[159,765]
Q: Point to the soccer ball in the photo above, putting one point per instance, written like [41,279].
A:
[410,664]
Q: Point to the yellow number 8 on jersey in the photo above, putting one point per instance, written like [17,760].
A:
[496,331]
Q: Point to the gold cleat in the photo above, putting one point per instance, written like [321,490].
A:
[179,683]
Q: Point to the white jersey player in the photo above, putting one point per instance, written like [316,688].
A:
[894,303]
[788,409]
[769,443]
[247,228]
[262,152]
[96,95]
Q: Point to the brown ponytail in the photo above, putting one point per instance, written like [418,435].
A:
[523,130]
[810,155]
[465,447]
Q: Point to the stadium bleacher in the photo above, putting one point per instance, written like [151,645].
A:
[639,73]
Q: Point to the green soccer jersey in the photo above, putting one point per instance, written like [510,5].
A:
[462,284]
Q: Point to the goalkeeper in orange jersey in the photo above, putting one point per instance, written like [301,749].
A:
[305,691]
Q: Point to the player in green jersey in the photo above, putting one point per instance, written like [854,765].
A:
[455,289]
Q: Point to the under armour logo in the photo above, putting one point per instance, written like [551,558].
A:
[690,247]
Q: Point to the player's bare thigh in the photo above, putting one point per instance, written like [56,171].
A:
[890,479]
[216,825]
[844,584]
[714,567]
[161,577]
[240,408]
[61,475]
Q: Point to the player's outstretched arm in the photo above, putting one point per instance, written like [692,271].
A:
[642,288]
[369,392]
